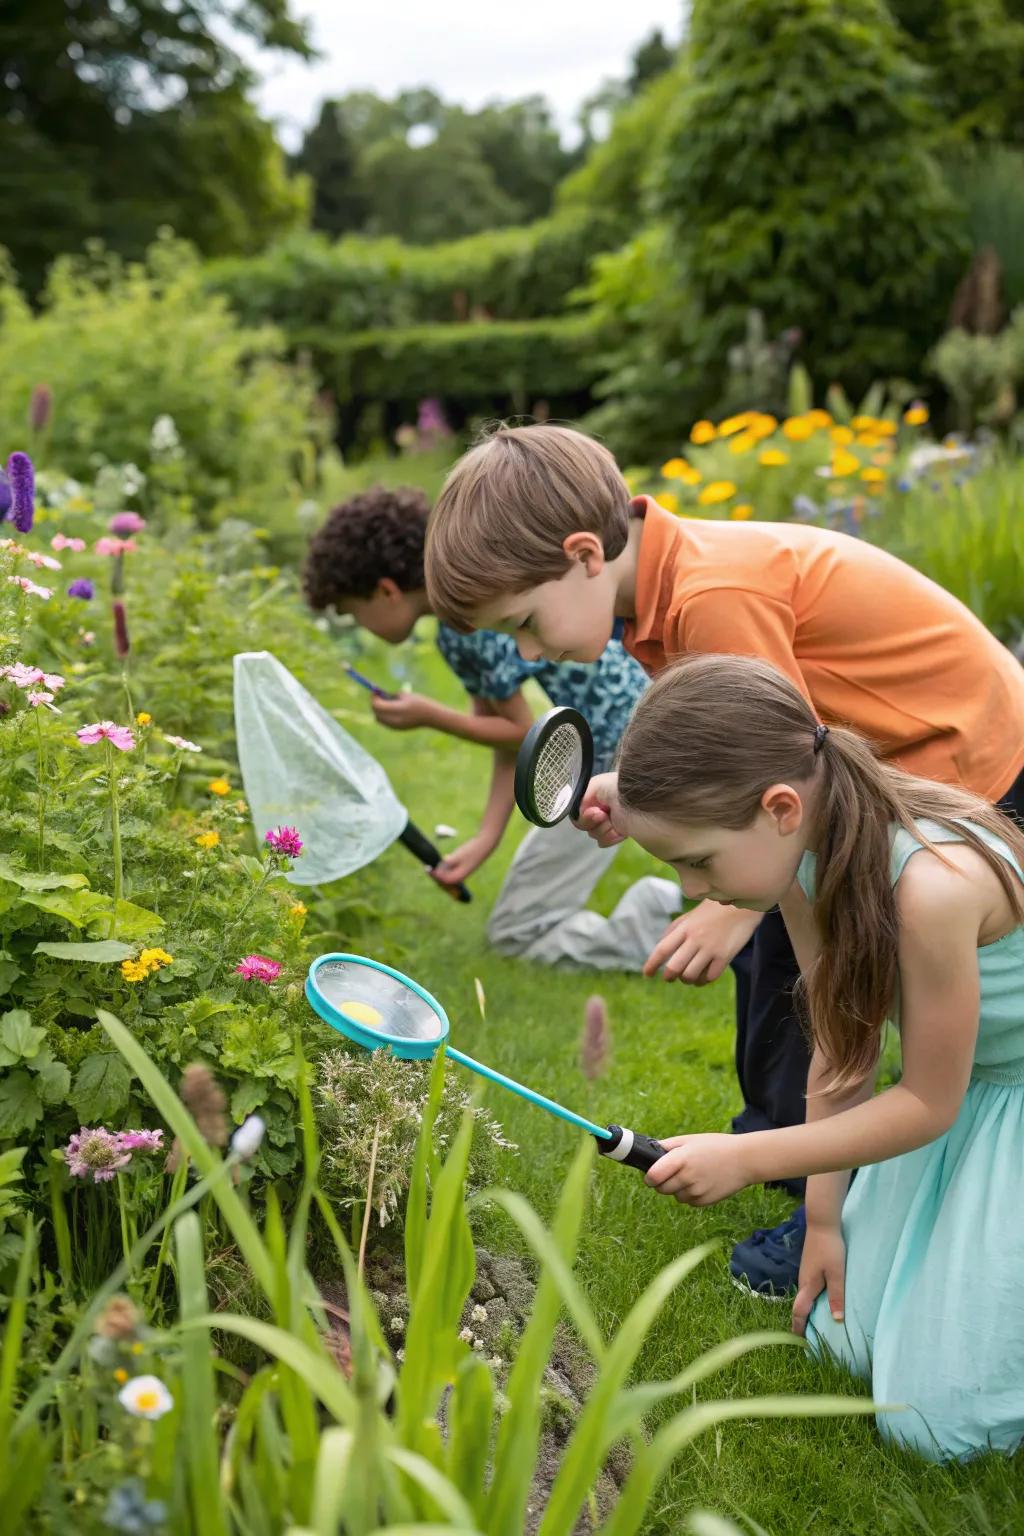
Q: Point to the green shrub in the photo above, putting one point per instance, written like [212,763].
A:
[989,181]
[121,345]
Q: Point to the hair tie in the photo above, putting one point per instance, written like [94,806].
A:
[820,732]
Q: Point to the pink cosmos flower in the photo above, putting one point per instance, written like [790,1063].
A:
[23,676]
[30,587]
[284,840]
[119,736]
[53,680]
[182,744]
[107,546]
[47,562]
[35,699]
[61,541]
[126,522]
[259,968]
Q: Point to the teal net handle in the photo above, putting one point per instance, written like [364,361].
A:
[600,1131]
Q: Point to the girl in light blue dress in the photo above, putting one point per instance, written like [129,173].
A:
[904,900]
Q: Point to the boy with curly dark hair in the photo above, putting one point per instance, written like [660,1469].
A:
[367,561]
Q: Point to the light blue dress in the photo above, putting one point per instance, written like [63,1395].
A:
[935,1239]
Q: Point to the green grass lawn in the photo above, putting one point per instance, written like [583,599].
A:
[671,1071]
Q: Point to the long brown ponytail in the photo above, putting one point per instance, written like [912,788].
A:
[712,733]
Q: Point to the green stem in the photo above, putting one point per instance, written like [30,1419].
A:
[40,784]
[126,1244]
[61,1232]
[127,691]
[115,840]
[177,1188]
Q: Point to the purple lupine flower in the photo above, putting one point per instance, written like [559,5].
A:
[5,497]
[82,587]
[122,645]
[125,523]
[284,840]
[22,479]
[39,407]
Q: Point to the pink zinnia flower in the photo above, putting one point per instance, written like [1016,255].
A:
[284,840]
[30,587]
[142,1141]
[259,968]
[107,546]
[47,562]
[182,744]
[119,736]
[61,541]
[98,1154]
[126,522]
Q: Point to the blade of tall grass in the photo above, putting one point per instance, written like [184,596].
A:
[323,1378]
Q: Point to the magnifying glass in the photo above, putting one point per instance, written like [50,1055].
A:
[377,1007]
[554,765]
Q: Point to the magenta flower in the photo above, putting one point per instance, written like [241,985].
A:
[61,541]
[22,479]
[259,968]
[30,587]
[107,546]
[82,587]
[284,840]
[97,1154]
[119,736]
[126,522]
[122,645]
[182,743]
[142,1141]
[47,562]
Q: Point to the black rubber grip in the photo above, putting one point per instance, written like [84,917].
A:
[643,1152]
[423,849]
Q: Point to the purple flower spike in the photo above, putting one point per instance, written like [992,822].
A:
[82,587]
[22,479]
[39,407]
[122,645]
[5,497]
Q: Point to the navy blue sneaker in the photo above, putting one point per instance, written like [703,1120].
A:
[767,1264]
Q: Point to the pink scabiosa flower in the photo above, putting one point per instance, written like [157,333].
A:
[142,1141]
[126,522]
[284,840]
[22,480]
[182,743]
[61,541]
[106,546]
[30,587]
[259,968]
[97,1154]
[82,588]
[122,645]
[119,736]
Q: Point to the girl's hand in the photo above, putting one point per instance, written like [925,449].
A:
[406,713]
[458,865]
[599,805]
[700,1170]
[697,947]
[822,1268]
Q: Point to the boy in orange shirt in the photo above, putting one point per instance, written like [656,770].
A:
[535,534]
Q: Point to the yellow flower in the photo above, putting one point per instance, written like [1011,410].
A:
[133,970]
[674,469]
[742,512]
[864,423]
[121,1375]
[773,458]
[916,416]
[716,491]
[844,464]
[870,439]
[156,957]
[841,436]
[691,476]
[669,500]
[149,961]
[219,787]
[298,909]
[742,443]
[208,839]
[885,428]
[763,425]
[798,428]
[819,418]
[143,719]
[873,476]
[703,432]
[733,424]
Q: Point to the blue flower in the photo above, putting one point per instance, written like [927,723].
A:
[129,1510]
[82,587]
[904,483]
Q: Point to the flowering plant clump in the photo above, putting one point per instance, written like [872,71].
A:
[284,840]
[99,1154]
[258,968]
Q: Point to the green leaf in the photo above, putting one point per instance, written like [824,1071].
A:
[96,951]
[48,882]
[321,1375]
[54,1082]
[20,1105]
[20,1039]
[74,907]
[132,922]
[101,1087]
[10,970]
[247,1097]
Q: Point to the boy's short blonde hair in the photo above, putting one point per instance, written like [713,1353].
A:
[505,510]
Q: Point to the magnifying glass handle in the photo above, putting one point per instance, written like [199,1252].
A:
[423,849]
[629,1147]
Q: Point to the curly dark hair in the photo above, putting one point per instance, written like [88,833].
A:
[378,533]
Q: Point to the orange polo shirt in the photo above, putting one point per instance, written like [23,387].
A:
[869,641]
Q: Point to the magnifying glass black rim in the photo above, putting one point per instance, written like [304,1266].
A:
[533,744]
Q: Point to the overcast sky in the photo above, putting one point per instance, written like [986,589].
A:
[468,50]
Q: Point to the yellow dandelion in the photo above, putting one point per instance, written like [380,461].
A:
[885,428]
[691,476]
[703,432]
[219,787]
[841,436]
[844,464]
[669,500]
[773,458]
[674,469]
[873,476]
[742,512]
[870,439]
[819,419]
[798,429]
[143,719]
[763,425]
[121,1375]
[864,423]
[716,491]
[743,443]
[733,424]
[208,839]
[916,416]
